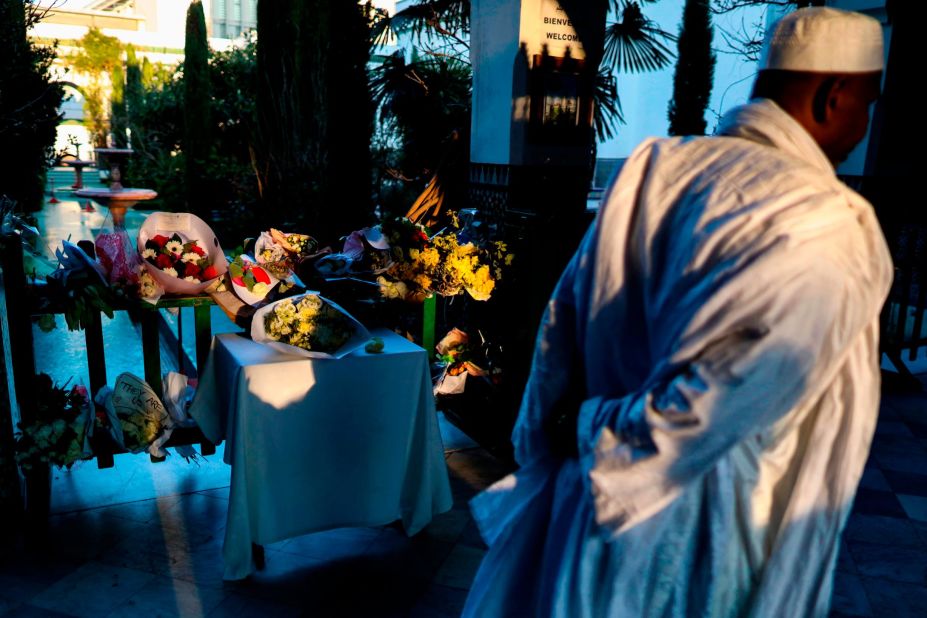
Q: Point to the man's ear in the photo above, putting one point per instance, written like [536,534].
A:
[825,98]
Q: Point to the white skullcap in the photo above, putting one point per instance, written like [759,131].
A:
[824,40]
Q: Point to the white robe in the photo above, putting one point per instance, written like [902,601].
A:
[725,308]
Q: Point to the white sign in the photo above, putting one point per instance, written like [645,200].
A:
[551,26]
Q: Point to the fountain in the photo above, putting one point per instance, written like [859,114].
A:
[117,198]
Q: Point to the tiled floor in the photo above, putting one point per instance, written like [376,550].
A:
[882,569]
[161,556]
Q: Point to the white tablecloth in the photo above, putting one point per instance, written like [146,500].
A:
[321,444]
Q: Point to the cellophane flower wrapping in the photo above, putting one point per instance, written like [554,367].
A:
[280,252]
[117,255]
[192,234]
[138,421]
[308,325]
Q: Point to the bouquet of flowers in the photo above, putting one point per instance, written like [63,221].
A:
[148,287]
[308,325]
[460,359]
[137,419]
[280,252]
[56,434]
[79,287]
[176,257]
[181,252]
[117,257]
[364,251]
[251,282]
[421,265]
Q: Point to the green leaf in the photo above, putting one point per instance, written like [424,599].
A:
[236,270]
[248,278]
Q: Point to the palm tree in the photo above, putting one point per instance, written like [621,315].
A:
[425,104]
[633,44]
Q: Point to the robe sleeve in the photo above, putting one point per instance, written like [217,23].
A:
[770,337]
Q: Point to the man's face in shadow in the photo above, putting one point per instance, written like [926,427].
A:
[848,112]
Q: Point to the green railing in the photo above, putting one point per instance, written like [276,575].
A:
[19,353]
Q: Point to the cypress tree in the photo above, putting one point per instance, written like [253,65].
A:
[148,73]
[135,94]
[118,118]
[314,114]
[196,96]
[29,101]
[695,68]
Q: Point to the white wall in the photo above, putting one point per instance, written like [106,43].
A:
[494,45]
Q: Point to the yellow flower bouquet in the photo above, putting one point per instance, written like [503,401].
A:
[421,265]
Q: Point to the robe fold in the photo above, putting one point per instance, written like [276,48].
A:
[724,306]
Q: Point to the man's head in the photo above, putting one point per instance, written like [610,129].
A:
[824,66]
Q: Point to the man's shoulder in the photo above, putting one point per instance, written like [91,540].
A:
[731,169]
[732,159]
[735,195]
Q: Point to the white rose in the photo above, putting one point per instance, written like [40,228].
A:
[312,302]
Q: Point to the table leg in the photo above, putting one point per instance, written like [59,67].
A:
[428,326]
[151,349]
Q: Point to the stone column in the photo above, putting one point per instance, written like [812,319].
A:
[532,147]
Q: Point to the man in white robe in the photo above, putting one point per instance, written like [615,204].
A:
[718,331]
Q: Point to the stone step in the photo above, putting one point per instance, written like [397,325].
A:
[63,178]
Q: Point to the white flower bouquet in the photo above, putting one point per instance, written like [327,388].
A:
[308,325]
[57,434]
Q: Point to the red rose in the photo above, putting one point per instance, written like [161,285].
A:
[210,272]
[163,261]
[197,250]
[161,240]
[191,270]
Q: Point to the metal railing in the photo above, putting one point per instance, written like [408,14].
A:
[19,352]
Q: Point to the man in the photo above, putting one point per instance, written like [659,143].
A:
[718,327]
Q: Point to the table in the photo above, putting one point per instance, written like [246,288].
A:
[316,444]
